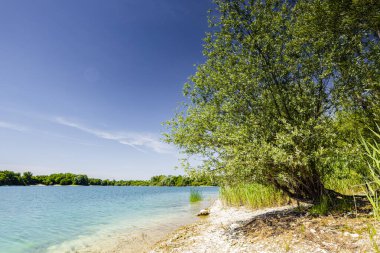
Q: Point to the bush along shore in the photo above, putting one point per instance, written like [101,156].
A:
[27,178]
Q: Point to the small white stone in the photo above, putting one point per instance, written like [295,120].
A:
[234,226]
[354,235]
[313,231]
[203,212]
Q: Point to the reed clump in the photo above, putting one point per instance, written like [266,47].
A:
[373,162]
[252,195]
[195,195]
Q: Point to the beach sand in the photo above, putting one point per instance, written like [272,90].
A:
[279,229]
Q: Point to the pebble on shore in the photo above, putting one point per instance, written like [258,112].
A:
[203,212]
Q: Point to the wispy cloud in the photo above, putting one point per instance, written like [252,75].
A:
[138,141]
[12,126]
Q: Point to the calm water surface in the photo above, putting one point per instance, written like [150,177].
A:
[41,219]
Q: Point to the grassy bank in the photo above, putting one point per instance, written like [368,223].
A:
[252,195]
[348,185]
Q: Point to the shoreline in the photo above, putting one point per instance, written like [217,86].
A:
[140,237]
[277,229]
[212,233]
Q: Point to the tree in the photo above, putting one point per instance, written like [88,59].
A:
[157,180]
[10,178]
[65,181]
[27,178]
[95,181]
[264,105]
[80,180]
[106,182]
[179,181]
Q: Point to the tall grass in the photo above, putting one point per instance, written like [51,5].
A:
[373,185]
[345,185]
[252,195]
[195,195]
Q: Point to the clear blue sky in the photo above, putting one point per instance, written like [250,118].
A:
[85,85]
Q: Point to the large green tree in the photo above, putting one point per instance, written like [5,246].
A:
[279,80]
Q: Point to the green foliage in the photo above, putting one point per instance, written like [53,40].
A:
[65,181]
[252,195]
[80,180]
[12,178]
[195,195]
[57,178]
[192,180]
[95,181]
[328,205]
[372,233]
[27,178]
[323,207]
[345,183]
[285,87]
[373,161]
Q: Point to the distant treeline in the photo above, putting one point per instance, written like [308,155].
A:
[27,178]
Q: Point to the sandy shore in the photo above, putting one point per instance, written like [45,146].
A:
[280,229]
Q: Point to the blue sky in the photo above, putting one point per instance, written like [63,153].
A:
[85,85]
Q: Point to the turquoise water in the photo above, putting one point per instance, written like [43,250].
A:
[41,219]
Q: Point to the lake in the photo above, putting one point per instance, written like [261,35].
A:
[94,218]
